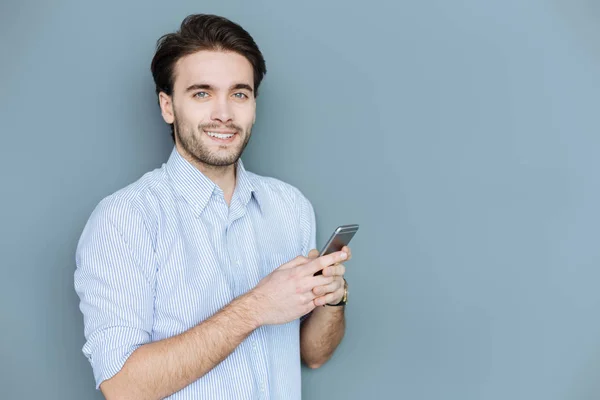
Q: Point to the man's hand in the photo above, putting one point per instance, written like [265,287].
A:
[288,293]
[332,292]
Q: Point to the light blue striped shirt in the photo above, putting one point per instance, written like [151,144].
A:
[165,253]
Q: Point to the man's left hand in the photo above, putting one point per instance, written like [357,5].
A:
[332,293]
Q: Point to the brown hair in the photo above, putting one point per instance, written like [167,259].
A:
[203,32]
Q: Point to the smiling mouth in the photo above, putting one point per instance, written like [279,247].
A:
[222,137]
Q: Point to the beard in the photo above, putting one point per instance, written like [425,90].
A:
[193,142]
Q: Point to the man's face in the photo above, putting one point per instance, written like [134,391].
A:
[212,107]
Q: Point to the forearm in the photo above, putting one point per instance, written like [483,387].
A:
[320,334]
[159,369]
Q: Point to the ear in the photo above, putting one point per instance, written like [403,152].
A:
[166,107]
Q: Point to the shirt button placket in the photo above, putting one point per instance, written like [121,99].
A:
[263,391]
[262,387]
[233,260]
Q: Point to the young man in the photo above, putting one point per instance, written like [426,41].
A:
[193,280]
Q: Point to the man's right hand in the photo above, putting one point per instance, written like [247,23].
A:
[286,293]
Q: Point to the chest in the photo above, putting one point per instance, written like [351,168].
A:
[205,262]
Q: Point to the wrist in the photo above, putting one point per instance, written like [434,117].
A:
[343,300]
[250,308]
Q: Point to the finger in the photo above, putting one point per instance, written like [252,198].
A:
[319,280]
[314,253]
[296,262]
[335,270]
[347,250]
[328,298]
[324,261]
[330,288]
[309,297]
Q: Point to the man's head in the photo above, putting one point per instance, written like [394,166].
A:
[207,76]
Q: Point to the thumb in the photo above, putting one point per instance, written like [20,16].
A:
[314,253]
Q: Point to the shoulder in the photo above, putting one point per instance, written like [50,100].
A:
[271,189]
[132,207]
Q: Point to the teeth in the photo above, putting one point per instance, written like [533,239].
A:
[220,135]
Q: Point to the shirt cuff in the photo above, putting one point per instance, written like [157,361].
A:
[109,350]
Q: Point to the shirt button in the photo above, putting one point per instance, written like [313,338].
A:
[254,345]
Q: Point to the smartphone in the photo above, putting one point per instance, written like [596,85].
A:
[339,238]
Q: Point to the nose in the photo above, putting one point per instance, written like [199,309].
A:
[221,111]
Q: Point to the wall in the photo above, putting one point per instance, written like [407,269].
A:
[462,136]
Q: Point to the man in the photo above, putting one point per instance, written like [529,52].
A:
[193,280]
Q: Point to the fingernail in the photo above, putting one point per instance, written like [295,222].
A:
[344,255]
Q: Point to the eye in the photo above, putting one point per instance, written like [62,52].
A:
[201,95]
[240,95]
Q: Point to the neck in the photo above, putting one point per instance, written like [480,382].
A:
[224,177]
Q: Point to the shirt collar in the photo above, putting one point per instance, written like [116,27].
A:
[197,189]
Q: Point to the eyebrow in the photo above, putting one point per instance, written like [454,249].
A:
[204,86]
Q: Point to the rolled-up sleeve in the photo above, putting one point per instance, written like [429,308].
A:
[114,281]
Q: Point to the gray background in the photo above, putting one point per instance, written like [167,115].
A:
[462,135]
